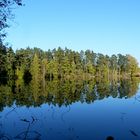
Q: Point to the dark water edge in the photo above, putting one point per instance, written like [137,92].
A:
[70,110]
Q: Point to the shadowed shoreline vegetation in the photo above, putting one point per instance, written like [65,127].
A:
[64,64]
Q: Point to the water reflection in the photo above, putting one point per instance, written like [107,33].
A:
[64,92]
[69,110]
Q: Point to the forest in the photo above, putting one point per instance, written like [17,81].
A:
[34,64]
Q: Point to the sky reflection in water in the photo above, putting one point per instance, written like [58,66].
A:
[117,117]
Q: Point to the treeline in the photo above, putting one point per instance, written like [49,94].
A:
[63,64]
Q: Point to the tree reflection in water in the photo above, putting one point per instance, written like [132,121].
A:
[57,93]
[64,92]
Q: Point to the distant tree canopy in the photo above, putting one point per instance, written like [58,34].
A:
[6,7]
[64,64]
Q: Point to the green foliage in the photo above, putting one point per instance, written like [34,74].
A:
[35,68]
[2,60]
[132,65]
[64,64]
[10,59]
[19,73]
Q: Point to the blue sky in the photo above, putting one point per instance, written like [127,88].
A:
[105,26]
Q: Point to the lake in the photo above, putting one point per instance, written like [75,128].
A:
[70,110]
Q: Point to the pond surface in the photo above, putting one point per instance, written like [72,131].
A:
[70,110]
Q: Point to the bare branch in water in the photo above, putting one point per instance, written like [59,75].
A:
[10,112]
[133,133]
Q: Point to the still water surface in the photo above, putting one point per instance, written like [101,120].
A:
[67,110]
